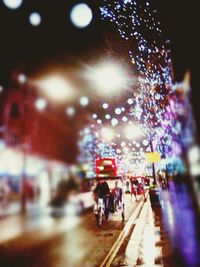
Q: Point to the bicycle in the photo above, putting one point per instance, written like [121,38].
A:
[102,210]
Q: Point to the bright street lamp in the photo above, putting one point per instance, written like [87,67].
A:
[56,88]
[107,134]
[133,132]
[108,77]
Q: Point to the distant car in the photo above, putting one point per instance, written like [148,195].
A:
[77,201]
[81,201]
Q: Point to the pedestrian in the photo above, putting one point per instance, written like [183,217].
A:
[134,187]
[117,192]
[141,187]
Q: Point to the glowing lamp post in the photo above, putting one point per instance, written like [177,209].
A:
[56,88]
[133,132]
[108,77]
[107,134]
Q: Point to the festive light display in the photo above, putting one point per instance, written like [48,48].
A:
[157,103]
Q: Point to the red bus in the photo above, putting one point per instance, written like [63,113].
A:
[105,167]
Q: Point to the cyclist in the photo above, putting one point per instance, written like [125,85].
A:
[101,191]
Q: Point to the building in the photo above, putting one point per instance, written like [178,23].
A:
[39,145]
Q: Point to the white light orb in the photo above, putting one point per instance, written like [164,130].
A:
[99,121]
[81,15]
[40,104]
[105,105]
[94,116]
[84,101]
[109,78]
[56,88]
[123,144]
[35,19]
[117,111]
[1,88]
[12,4]
[145,142]
[22,78]
[118,151]
[130,101]
[133,132]
[124,118]
[107,116]
[107,134]
[114,122]
[70,111]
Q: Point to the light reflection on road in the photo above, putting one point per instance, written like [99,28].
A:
[62,241]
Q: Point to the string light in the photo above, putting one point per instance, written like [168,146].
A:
[157,106]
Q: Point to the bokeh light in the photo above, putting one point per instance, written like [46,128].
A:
[40,104]
[81,15]
[12,4]
[35,19]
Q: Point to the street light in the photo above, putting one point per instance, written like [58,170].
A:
[108,77]
[56,88]
[107,134]
[133,131]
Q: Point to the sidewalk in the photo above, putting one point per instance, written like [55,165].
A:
[164,236]
[144,246]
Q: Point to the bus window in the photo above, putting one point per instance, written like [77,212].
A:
[105,167]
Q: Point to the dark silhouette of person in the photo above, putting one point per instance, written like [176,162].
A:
[102,189]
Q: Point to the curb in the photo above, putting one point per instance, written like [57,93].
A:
[136,236]
[114,249]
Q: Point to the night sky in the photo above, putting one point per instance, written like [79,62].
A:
[21,43]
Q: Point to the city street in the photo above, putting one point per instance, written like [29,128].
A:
[42,240]
[99,133]
[38,239]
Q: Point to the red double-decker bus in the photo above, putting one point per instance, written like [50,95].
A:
[106,167]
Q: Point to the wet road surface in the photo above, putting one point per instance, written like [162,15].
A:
[61,242]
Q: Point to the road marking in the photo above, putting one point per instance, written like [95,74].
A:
[113,251]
